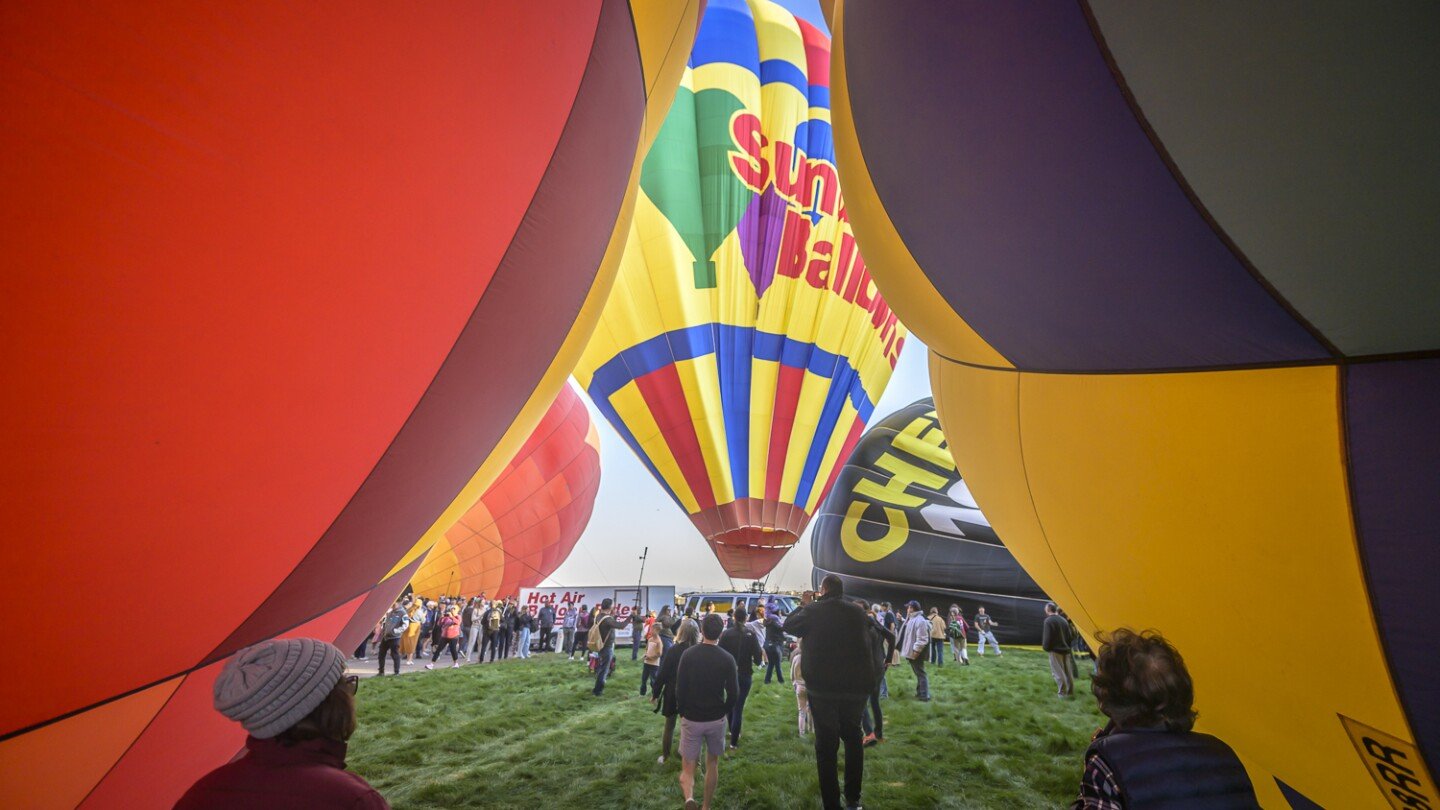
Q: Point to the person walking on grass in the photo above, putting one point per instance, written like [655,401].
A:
[663,695]
[604,632]
[872,719]
[490,630]
[706,689]
[956,630]
[567,630]
[984,625]
[637,632]
[914,644]
[665,625]
[583,618]
[840,673]
[739,640]
[653,652]
[937,638]
[449,629]
[469,629]
[411,640]
[546,617]
[524,627]
[774,642]
[1055,640]
[391,631]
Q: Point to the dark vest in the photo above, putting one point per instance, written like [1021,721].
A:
[1175,770]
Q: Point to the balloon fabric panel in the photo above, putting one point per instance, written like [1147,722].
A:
[744,344]
[1182,303]
[526,524]
[219,291]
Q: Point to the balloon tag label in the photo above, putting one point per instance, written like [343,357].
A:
[1395,765]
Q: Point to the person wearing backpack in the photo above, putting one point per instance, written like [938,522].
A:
[957,630]
[392,628]
[491,631]
[937,638]
[601,641]
[915,645]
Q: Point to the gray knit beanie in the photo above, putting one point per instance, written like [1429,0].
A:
[271,686]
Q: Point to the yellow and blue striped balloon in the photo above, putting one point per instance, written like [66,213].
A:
[744,345]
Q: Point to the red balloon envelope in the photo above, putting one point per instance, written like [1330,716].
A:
[526,524]
[265,264]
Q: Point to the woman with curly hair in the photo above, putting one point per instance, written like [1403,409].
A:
[1148,756]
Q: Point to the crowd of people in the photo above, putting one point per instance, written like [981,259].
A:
[297,704]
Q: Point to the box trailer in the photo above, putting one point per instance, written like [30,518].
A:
[626,600]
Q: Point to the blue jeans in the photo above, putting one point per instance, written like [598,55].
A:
[602,669]
[524,646]
[937,652]
[922,682]
[772,656]
[737,713]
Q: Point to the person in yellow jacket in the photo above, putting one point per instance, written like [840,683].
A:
[937,638]
[411,639]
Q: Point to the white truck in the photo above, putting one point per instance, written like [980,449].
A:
[626,600]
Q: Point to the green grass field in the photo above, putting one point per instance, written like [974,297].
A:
[528,734]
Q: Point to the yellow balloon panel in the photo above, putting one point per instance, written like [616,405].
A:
[1181,484]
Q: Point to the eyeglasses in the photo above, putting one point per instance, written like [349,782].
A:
[352,683]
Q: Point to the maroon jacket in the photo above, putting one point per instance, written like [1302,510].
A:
[309,774]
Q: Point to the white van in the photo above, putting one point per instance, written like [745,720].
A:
[725,601]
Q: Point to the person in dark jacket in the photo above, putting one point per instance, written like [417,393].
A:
[506,636]
[294,699]
[663,693]
[774,641]
[609,626]
[872,719]
[839,677]
[665,626]
[706,686]
[744,647]
[546,618]
[1055,640]
[582,631]
[1148,756]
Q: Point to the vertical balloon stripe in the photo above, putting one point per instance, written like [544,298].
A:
[665,399]
[787,398]
[734,348]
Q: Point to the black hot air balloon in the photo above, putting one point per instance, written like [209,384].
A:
[900,524]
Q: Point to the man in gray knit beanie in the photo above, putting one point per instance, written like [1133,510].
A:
[271,686]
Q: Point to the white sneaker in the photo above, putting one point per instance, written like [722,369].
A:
[455,665]
[429,666]
[660,760]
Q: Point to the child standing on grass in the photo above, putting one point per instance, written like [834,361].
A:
[802,697]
